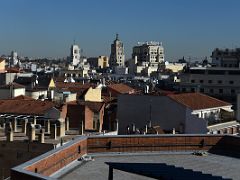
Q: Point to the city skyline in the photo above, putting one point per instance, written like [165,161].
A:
[186,28]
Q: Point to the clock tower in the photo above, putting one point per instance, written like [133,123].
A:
[117,56]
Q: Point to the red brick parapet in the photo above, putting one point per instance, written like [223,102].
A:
[45,165]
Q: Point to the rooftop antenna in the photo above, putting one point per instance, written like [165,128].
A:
[116,36]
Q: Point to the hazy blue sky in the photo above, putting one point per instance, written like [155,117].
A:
[46,28]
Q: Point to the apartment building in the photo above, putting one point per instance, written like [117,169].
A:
[219,82]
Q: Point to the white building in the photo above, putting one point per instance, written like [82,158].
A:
[146,58]
[14,59]
[117,56]
[151,52]
[75,55]
[186,113]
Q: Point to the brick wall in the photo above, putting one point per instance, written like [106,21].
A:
[88,119]
[151,143]
[50,162]
[18,152]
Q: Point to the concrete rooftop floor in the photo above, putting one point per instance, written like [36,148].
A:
[217,165]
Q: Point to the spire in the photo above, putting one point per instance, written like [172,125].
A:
[117,36]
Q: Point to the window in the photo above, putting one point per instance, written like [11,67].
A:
[192,81]
[192,90]
[231,82]
[183,89]
[233,91]
[209,81]
[220,82]
[221,91]
[202,90]
[211,91]
[79,149]
[201,81]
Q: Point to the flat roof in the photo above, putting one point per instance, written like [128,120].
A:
[214,165]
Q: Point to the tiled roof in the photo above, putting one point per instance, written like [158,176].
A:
[73,87]
[30,107]
[108,99]
[94,106]
[196,101]
[22,97]
[14,86]
[121,88]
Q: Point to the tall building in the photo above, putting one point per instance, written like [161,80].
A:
[75,55]
[14,59]
[117,57]
[150,52]
[226,57]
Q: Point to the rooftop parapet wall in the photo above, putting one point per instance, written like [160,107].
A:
[45,165]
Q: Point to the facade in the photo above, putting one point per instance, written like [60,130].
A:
[151,52]
[11,90]
[99,62]
[117,57]
[184,113]
[226,57]
[216,81]
[75,55]
[146,58]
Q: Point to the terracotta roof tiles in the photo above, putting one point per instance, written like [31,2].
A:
[30,107]
[121,88]
[196,101]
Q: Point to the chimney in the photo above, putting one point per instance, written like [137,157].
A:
[24,126]
[61,128]
[133,128]
[34,120]
[47,126]
[53,131]
[14,123]
[173,131]
[41,136]
[67,124]
[9,132]
[28,129]
[81,128]
[32,135]
[146,129]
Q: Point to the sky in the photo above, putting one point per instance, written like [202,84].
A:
[47,28]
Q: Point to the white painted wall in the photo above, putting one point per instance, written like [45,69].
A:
[5,93]
[164,112]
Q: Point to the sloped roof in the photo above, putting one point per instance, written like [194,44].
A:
[19,106]
[14,86]
[94,106]
[22,97]
[121,88]
[197,101]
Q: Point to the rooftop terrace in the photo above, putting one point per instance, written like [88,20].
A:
[138,157]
